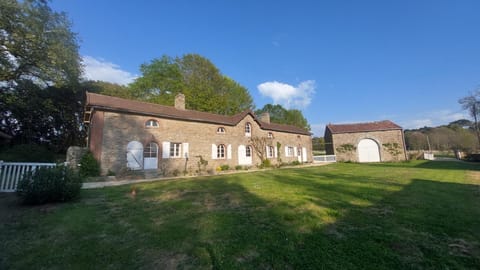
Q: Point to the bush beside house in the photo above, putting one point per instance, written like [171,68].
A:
[44,185]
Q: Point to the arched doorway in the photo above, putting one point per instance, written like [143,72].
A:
[134,155]
[368,151]
[150,156]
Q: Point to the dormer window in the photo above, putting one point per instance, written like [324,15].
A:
[270,135]
[221,130]
[248,129]
[151,124]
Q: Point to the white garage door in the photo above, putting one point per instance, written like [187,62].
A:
[368,151]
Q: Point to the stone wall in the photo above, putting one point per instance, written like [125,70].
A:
[74,156]
[384,139]
[119,129]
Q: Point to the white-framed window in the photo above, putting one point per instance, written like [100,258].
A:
[221,130]
[248,129]
[270,151]
[221,151]
[248,151]
[151,123]
[299,151]
[270,135]
[290,151]
[150,150]
[175,150]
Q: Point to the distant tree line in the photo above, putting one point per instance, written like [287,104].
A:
[457,135]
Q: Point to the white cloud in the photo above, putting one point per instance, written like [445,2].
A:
[288,95]
[434,118]
[99,69]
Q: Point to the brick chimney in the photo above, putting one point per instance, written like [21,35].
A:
[180,101]
[265,117]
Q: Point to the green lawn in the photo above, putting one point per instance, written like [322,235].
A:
[420,215]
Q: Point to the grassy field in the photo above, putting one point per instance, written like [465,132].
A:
[417,215]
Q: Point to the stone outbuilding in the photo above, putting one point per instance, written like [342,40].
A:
[366,142]
[132,135]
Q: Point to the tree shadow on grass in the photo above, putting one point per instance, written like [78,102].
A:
[293,219]
[418,226]
[430,164]
[427,224]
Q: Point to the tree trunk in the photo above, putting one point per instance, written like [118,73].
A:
[475,112]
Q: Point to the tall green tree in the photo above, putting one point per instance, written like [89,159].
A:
[280,115]
[204,86]
[37,45]
[39,74]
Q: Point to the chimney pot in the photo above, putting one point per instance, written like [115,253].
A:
[180,101]
[265,117]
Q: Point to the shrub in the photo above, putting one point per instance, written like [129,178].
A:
[265,164]
[89,166]
[473,157]
[27,153]
[58,184]
[225,167]
[238,167]
[295,163]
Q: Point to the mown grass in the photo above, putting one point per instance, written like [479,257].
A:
[418,215]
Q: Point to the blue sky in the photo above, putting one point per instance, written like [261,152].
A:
[336,61]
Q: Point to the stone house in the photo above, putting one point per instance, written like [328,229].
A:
[127,134]
[366,142]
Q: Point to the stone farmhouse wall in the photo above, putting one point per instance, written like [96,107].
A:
[113,131]
[384,139]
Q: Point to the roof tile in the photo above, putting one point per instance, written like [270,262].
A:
[363,127]
[137,107]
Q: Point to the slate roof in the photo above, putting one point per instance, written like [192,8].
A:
[116,104]
[363,127]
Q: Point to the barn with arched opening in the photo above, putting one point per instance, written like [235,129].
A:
[366,142]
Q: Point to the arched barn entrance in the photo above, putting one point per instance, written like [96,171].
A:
[368,151]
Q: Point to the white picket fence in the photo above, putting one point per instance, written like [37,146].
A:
[324,158]
[12,172]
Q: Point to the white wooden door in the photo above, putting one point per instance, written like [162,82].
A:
[134,155]
[368,151]
[244,155]
[304,154]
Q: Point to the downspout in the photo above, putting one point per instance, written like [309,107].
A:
[89,130]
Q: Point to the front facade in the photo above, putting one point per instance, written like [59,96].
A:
[366,142]
[133,135]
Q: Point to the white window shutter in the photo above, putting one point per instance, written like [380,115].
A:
[295,151]
[275,150]
[165,149]
[214,151]
[267,154]
[229,151]
[286,151]
[185,150]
